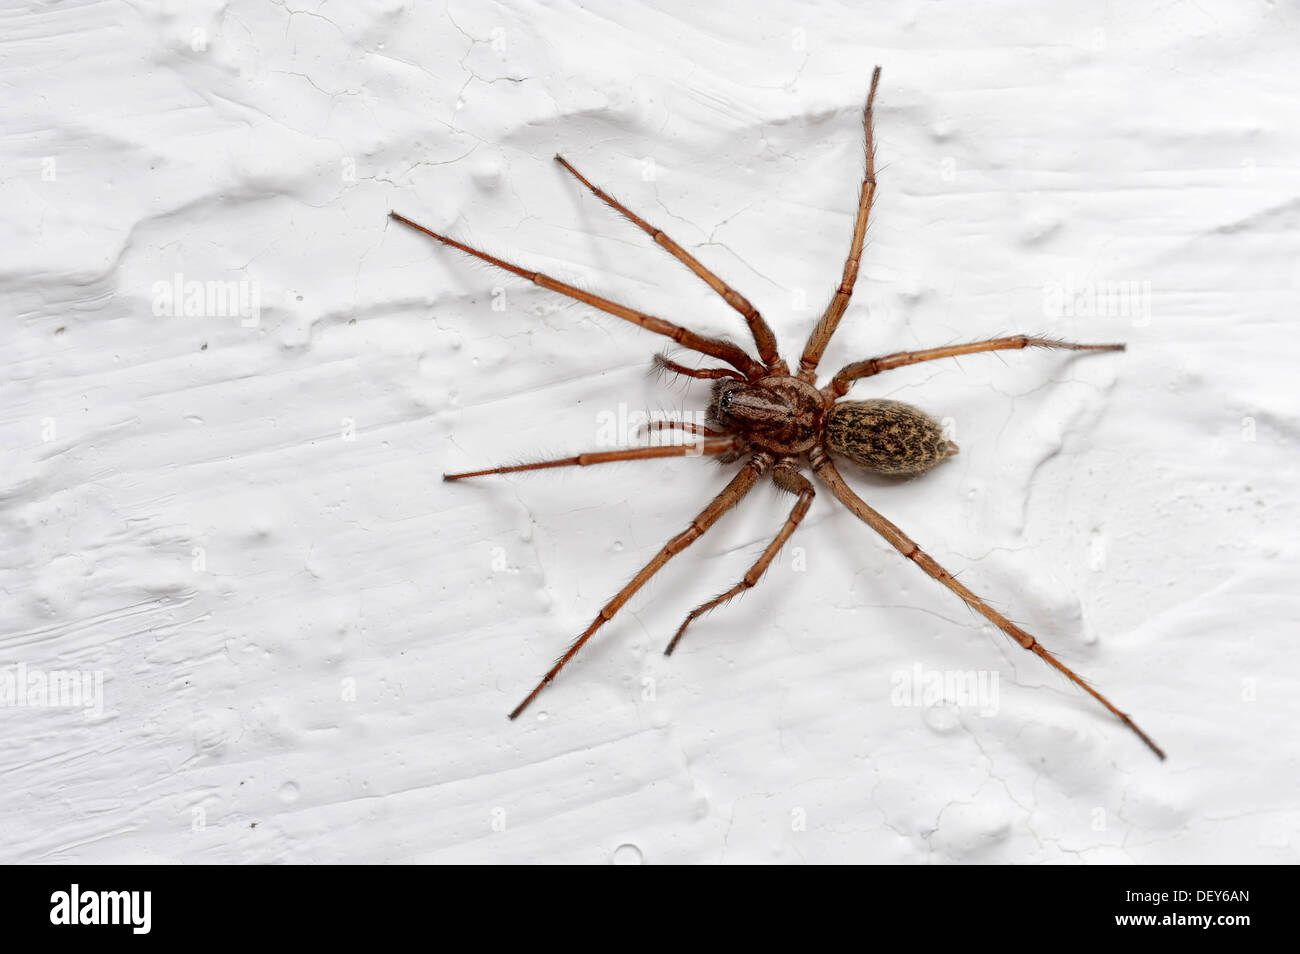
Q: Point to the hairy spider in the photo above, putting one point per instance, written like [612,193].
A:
[779,420]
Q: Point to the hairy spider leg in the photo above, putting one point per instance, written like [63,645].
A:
[830,319]
[788,478]
[697,449]
[825,470]
[740,485]
[758,327]
[714,347]
[841,383]
[689,427]
[663,363]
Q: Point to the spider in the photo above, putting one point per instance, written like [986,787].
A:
[777,420]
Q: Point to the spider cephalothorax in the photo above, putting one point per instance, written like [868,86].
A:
[780,422]
[777,413]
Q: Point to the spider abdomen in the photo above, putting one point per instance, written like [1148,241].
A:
[889,437]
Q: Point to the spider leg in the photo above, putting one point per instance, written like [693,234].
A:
[841,383]
[830,319]
[699,448]
[662,363]
[826,471]
[763,337]
[690,427]
[728,498]
[714,347]
[788,479]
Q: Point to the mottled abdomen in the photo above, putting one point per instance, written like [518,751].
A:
[889,437]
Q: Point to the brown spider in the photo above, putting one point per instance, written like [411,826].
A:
[777,419]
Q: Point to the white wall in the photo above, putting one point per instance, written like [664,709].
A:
[183,516]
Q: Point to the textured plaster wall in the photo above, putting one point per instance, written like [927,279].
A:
[306,643]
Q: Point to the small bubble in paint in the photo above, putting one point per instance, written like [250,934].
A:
[942,717]
[628,855]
